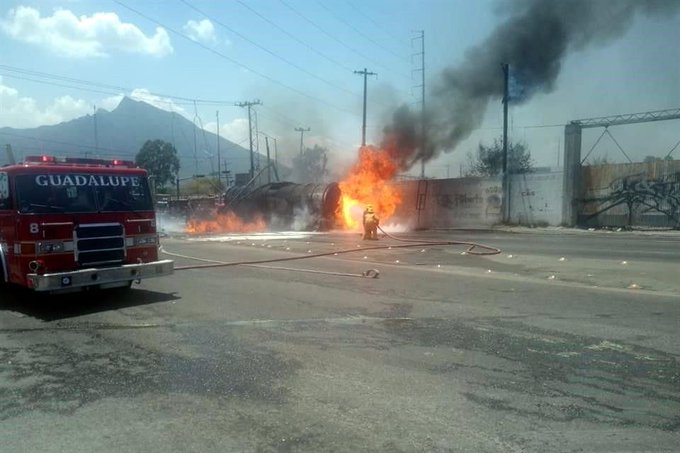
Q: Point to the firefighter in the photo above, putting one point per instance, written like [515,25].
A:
[370,222]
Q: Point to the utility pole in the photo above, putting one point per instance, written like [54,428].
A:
[195,144]
[365,73]
[269,162]
[96,135]
[302,131]
[421,69]
[506,181]
[276,154]
[219,161]
[249,105]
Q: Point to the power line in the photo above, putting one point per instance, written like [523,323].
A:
[46,82]
[234,61]
[336,39]
[295,38]
[375,23]
[270,52]
[280,116]
[189,101]
[368,38]
[118,152]
[58,142]
[114,88]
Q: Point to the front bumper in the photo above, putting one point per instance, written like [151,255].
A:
[107,277]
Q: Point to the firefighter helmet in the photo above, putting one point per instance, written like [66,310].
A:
[369,208]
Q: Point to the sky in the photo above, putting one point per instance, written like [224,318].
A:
[61,59]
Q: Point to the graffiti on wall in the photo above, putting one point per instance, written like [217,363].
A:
[640,195]
[469,201]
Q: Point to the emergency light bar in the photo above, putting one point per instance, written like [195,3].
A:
[79,161]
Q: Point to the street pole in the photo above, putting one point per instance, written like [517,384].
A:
[276,154]
[506,180]
[96,135]
[269,162]
[302,131]
[422,125]
[365,73]
[249,105]
[423,140]
[219,162]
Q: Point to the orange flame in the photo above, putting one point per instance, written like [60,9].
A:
[367,183]
[225,223]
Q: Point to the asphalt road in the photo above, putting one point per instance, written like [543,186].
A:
[443,352]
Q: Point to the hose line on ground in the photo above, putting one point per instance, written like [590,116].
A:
[371,273]
[487,250]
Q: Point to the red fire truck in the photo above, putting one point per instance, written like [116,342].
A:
[71,223]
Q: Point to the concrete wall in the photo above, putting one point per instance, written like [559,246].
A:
[537,199]
[450,203]
[477,202]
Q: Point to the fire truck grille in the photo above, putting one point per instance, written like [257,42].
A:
[99,244]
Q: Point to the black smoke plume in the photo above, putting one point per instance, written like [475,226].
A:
[534,39]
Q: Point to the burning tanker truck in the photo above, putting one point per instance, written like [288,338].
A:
[286,204]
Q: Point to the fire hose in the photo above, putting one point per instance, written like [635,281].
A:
[486,249]
[370,273]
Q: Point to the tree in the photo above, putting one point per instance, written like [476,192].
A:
[310,166]
[652,159]
[203,186]
[489,159]
[160,159]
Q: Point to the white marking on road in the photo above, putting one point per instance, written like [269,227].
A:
[270,236]
[606,345]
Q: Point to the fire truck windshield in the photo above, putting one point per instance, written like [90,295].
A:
[82,193]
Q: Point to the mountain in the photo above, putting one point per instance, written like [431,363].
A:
[122,132]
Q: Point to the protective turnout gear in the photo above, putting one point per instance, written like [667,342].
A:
[370,222]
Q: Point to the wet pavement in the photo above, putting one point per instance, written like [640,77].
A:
[444,352]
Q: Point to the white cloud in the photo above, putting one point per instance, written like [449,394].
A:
[86,36]
[144,95]
[235,130]
[24,112]
[202,31]
[110,102]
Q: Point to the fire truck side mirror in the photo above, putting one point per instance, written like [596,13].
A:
[152,186]
[4,186]
[5,200]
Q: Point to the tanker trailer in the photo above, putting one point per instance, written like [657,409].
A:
[287,204]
